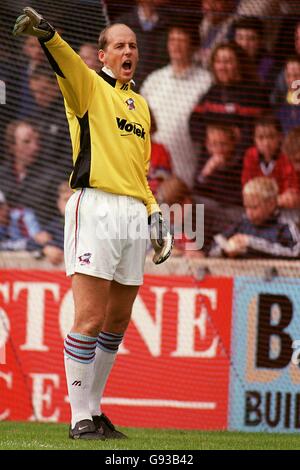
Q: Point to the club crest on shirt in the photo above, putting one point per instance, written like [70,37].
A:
[85,259]
[130,104]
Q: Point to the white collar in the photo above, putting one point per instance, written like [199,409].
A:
[108,71]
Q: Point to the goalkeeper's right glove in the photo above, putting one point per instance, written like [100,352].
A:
[33,24]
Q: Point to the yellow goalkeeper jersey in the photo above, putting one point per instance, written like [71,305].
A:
[109,126]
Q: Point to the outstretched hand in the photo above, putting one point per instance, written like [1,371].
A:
[33,24]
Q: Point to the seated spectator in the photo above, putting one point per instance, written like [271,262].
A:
[215,27]
[217,182]
[232,98]
[172,92]
[249,34]
[261,233]
[150,27]
[24,179]
[89,54]
[267,159]
[19,228]
[54,249]
[288,106]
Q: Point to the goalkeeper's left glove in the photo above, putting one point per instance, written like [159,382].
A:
[33,24]
[161,239]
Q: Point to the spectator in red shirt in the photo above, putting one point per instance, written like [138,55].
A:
[267,159]
[291,147]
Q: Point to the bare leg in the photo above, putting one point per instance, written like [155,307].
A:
[91,296]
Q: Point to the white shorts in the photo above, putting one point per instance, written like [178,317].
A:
[106,236]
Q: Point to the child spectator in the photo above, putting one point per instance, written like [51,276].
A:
[217,182]
[248,34]
[287,106]
[267,159]
[261,232]
[54,249]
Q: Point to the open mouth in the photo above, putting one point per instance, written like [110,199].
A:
[127,65]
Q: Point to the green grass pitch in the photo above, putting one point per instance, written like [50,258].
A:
[37,436]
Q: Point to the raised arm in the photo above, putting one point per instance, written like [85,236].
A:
[75,79]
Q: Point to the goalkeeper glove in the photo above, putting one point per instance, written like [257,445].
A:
[33,24]
[161,239]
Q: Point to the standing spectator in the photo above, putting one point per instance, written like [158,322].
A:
[25,180]
[267,159]
[150,27]
[215,27]
[249,34]
[217,182]
[287,106]
[89,54]
[172,92]
[235,97]
[262,232]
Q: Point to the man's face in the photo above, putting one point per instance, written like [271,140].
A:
[26,146]
[259,210]
[267,140]
[121,53]
[179,46]
[249,40]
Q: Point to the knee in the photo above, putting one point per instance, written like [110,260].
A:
[117,323]
[88,323]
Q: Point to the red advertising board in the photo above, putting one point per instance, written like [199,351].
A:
[172,370]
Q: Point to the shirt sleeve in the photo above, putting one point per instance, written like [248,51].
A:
[75,79]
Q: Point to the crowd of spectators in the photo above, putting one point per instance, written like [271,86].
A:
[222,80]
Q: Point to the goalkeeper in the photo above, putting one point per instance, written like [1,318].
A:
[106,217]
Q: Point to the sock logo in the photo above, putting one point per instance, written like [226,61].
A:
[77,383]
